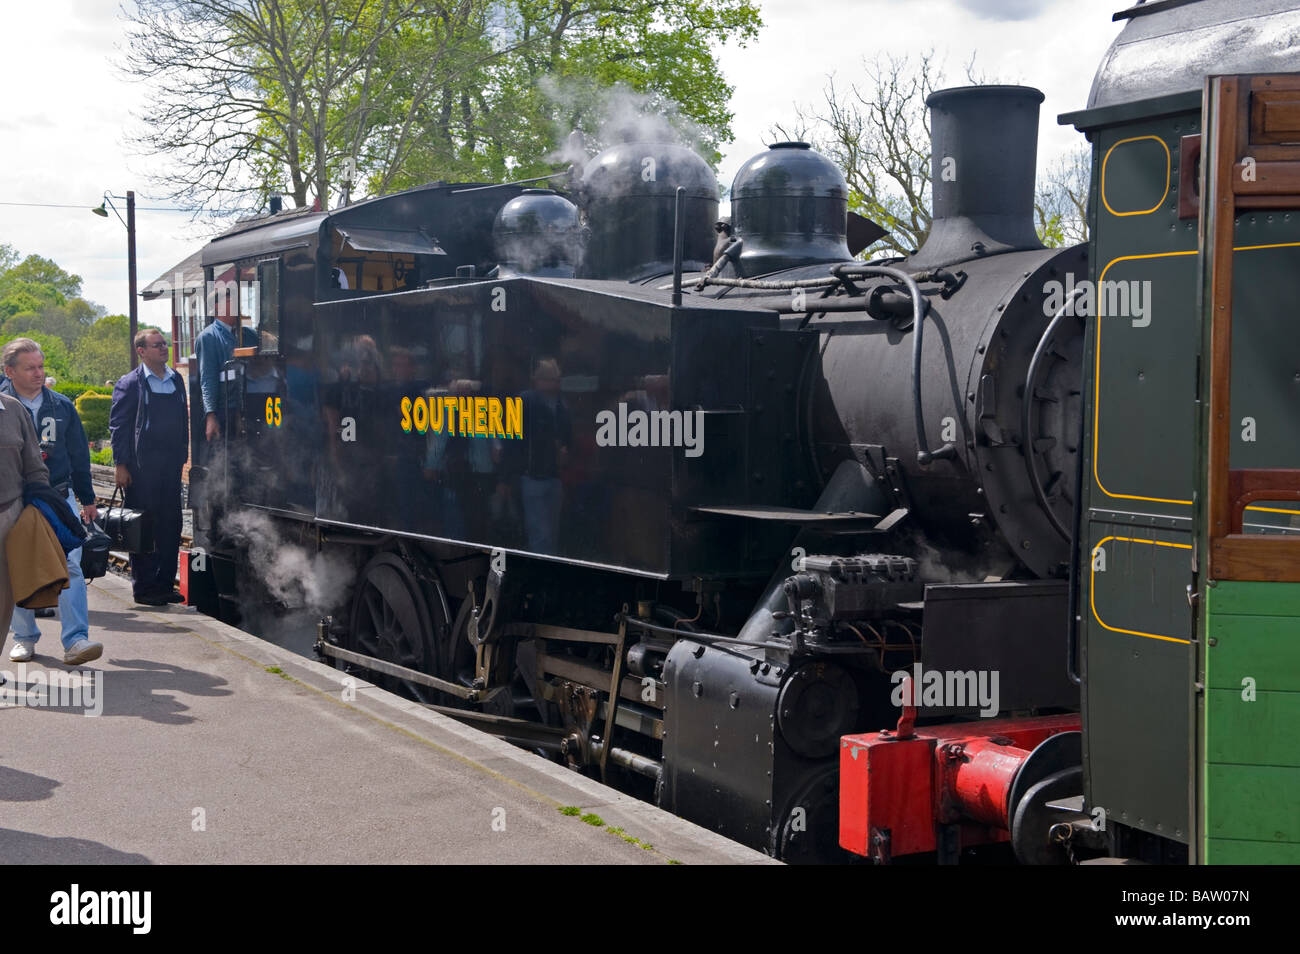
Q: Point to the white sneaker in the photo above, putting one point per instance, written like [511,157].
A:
[83,651]
[23,651]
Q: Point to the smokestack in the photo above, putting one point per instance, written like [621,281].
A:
[984,146]
[275,205]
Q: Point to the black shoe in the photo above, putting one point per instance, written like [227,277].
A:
[46,613]
[152,600]
[174,597]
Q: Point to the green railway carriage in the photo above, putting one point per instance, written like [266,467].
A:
[1187,613]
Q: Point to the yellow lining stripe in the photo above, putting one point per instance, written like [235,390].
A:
[1104,161]
[1096,397]
[1092,587]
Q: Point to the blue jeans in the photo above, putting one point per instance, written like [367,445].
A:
[72,602]
[543,498]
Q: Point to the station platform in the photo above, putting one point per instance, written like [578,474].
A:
[214,746]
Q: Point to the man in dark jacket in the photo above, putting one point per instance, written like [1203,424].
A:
[67,455]
[149,424]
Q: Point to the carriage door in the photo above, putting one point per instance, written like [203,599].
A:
[259,456]
[1248,783]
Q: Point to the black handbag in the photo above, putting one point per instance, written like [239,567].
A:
[94,553]
[129,530]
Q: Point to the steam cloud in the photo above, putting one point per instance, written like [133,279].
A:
[616,114]
[294,576]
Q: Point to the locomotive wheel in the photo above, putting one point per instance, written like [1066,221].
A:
[391,621]
[460,661]
[808,833]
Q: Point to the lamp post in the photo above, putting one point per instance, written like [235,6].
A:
[130,257]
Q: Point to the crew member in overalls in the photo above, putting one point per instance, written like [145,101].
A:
[149,424]
[67,455]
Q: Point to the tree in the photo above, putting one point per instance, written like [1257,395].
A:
[35,270]
[56,354]
[1061,205]
[879,135]
[34,285]
[605,68]
[250,96]
[25,297]
[102,353]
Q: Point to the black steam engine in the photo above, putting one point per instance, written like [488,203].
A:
[666,498]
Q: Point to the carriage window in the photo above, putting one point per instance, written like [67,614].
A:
[379,260]
[250,298]
[268,328]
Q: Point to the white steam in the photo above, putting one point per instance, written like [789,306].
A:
[609,115]
[294,576]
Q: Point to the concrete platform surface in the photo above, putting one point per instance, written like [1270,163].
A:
[213,746]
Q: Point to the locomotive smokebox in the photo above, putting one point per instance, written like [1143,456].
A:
[628,194]
[537,233]
[984,144]
[790,207]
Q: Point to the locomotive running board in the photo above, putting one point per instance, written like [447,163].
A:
[401,672]
[787,515]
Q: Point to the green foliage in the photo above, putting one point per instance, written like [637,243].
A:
[35,270]
[103,352]
[412,90]
[602,69]
[20,297]
[93,410]
[570,810]
[34,284]
[36,295]
[104,456]
[56,355]
[75,389]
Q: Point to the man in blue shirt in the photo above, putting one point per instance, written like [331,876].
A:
[67,455]
[149,424]
[214,346]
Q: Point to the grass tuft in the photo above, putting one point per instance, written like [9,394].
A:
[570,810]
[593,819]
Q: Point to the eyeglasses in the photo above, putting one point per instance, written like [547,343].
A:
[161,344]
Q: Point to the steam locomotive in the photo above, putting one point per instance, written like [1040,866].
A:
[786,541]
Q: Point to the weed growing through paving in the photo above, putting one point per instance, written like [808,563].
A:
[277,671]
[597,822]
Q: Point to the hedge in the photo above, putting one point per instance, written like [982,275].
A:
[94,409]
[75,389]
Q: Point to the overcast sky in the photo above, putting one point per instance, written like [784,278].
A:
[67,111]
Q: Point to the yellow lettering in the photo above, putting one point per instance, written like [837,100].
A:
[435,415]
[495,427]
[406,414]
[421,415]
[515,417]
[480,417]
[450,403]
[464,416]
